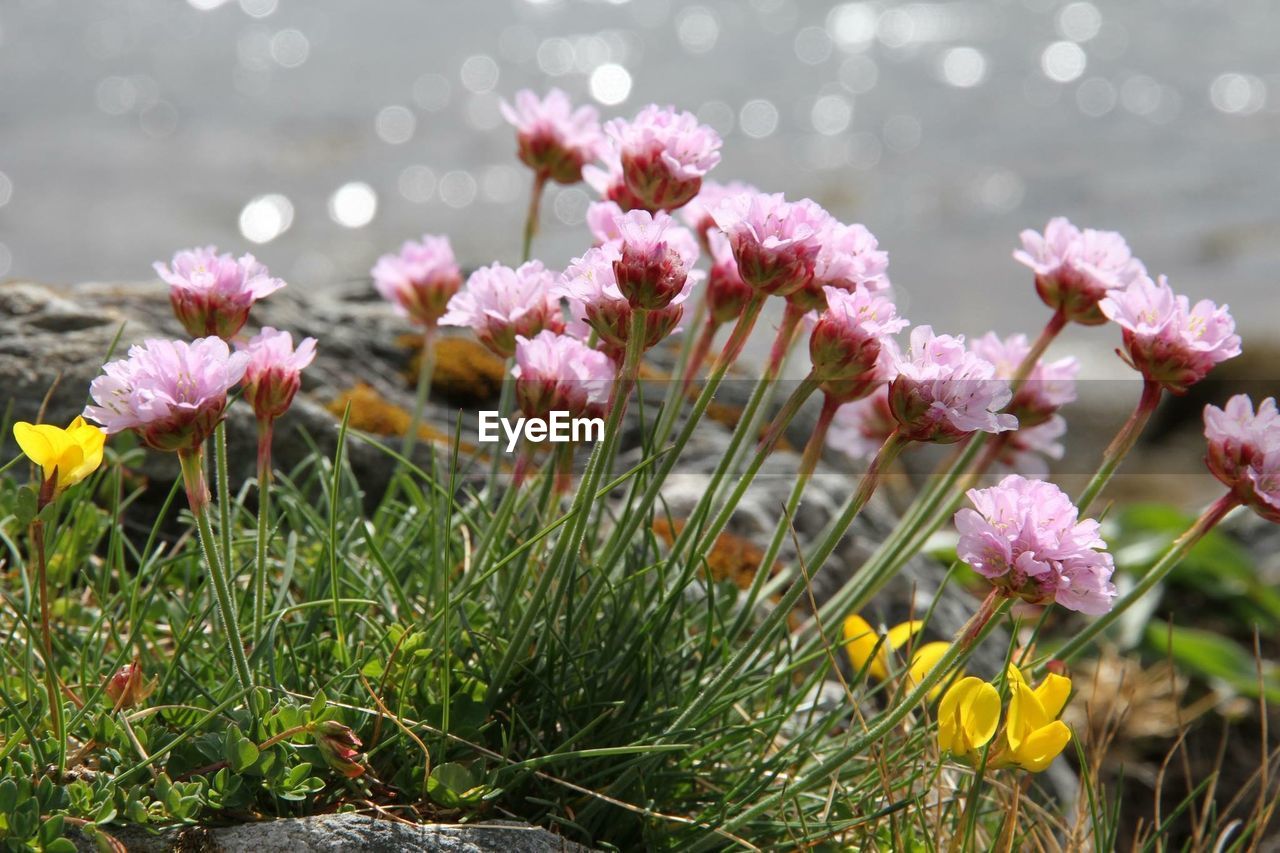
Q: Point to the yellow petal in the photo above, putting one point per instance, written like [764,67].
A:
[925,658]
[861,641]
[900,635]
[43,444]
[968,716]
[1026,715]
[1014,675]
[1042,746]
[90,440]
[1053,694]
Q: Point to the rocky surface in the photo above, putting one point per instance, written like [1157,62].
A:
[343,833]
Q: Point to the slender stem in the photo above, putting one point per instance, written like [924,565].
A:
[786,337]
[265,430]
[1206,522]
[198,497]
[1051,330]
[778,615]
[46,636]
[426,367]
[531,218]
[639,510]
[570,540]
[808,463]
[1121,444]
[224,495]
[705,338]
[506,401]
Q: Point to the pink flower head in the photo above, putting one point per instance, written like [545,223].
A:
[1074,269]
[664,155]
[420,280]
[1244,452]
[597,304]
[1027,450]
[172,393]
[499,303]
[1170,341]
[698,214]
[846,340]
[1049,386]
[650,271]
[1025,537]
[775,242]
[559,373]
[555,139]
[943,392]
[860,428]
[274,373]
[602,221]
[727,294]
[850,259]
[211,293]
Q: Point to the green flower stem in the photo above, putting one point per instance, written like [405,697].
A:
[570,539]
[1206,522]
[1051,330]
[808,463]
[265,431]
[224,495]
[640,510]
[966,640]
[198,497]
[531,218]
[51,684]
[919,522]
[778,615]
[506,402]
[426,367]
[1124,441]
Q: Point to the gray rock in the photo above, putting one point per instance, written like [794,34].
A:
[343,833]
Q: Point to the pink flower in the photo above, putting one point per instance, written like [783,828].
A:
[555,139]
[850,259]
[1074,269]
[1027,451]
[420,280]
[664,155]
[650,272]
[860,428]
[211,293]
[1049,386]
[172,393]
[846,340]
[727,294]
[274,373]
[698,214]
[559,373]
[1244,452]
[943,392]
[1169,341]
[775,242]
[596,303]
[499,303]
[602,221]
[1025,537]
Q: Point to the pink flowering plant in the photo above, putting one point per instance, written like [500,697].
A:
[611,619]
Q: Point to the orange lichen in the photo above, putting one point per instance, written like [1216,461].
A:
[730,558]
[465,372]
[373,413]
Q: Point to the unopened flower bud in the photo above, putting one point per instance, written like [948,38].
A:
[339,747]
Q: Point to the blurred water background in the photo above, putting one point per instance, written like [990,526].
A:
[319,134]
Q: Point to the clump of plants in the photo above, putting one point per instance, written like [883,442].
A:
[526,638]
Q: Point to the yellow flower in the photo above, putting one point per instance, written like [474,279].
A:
[73,453]
[967,717]
[861,641]
[1033,733]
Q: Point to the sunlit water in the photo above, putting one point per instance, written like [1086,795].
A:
[318,134]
